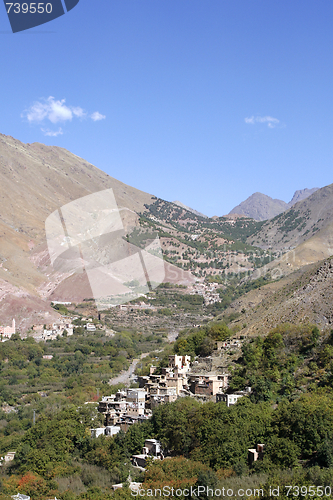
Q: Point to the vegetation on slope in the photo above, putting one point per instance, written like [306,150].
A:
[212,438]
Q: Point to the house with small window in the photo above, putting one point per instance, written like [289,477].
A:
[152,448]
[7,331]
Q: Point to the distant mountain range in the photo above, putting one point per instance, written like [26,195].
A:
[307,220]
[36,180]
[259,206]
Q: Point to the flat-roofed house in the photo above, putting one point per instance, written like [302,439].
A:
[7,331]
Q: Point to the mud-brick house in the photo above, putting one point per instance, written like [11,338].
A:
[207,385]
[152,448]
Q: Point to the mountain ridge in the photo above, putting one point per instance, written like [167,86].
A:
[180,204]
[36,180]
[261,207]
[299,223]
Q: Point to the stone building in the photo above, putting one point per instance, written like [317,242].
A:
[7,331]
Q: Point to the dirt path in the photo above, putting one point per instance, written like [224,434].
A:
[125,376]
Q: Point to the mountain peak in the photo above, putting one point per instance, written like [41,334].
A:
[301,194]
[260,207]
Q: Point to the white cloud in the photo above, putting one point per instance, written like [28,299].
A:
[36,113]
[48,109]
[271,122]
[58,111]
[267,119]
[79,112]
[52,133]
[55,111]
[96,116]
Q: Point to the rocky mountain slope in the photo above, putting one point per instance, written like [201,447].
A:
[35,180]
[259,206]
[298,224]
[300,195]
[305,296]
[315,249]
[262,207]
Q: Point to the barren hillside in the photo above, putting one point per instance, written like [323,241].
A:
[35,180]
[305,296]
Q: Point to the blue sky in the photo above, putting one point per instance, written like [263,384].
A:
[202,101]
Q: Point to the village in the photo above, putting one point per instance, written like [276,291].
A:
[207,290]
[181,378]
[204,378]
[62,327]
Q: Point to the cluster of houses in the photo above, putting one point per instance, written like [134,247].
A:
[130,406]
[63,326]
[207,290]
[178,380]
[121,410]
[48,331]
[52,330]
